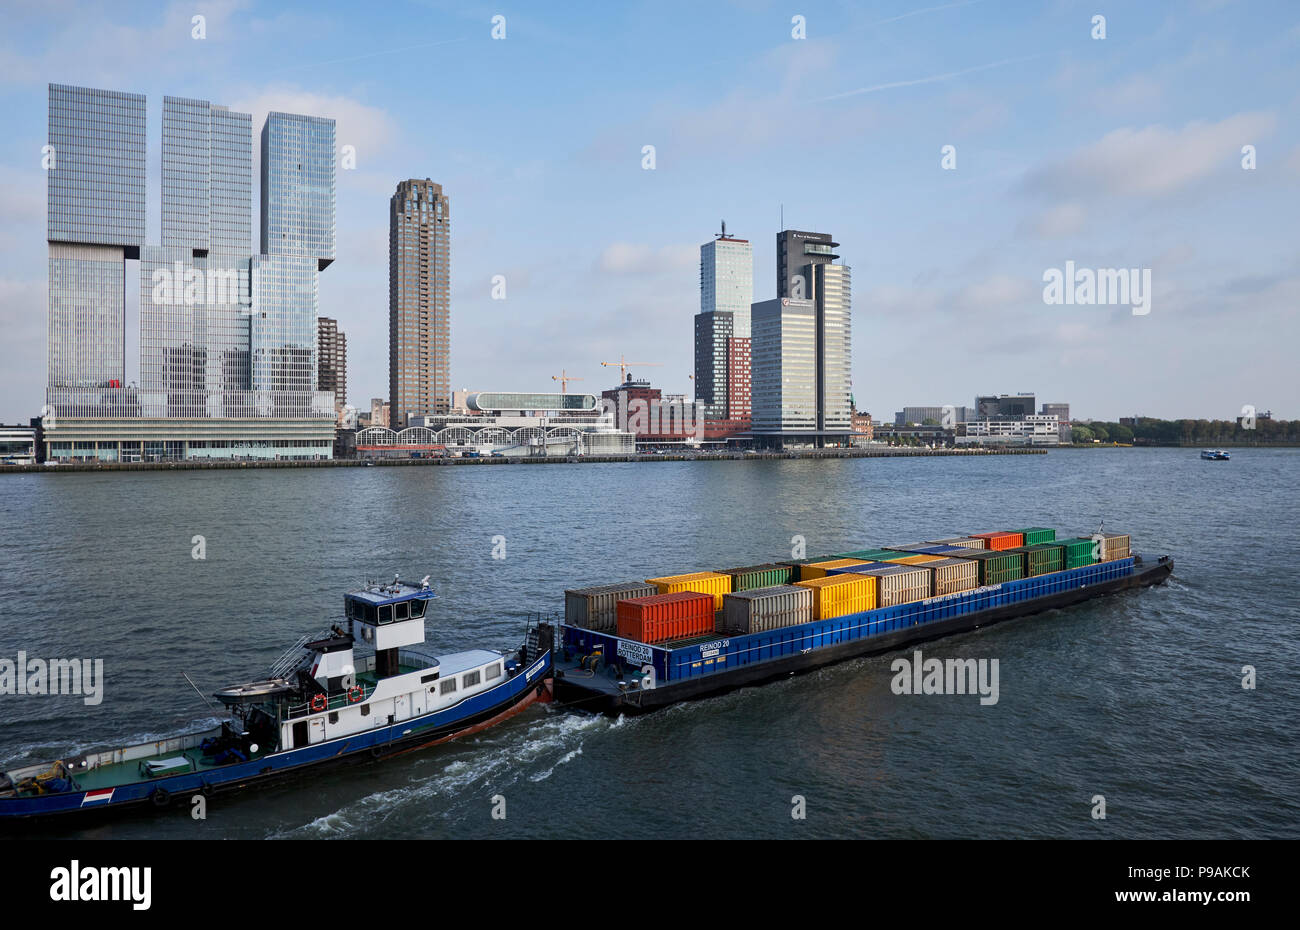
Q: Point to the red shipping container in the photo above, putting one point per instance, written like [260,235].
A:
[1000,540]
[664,617]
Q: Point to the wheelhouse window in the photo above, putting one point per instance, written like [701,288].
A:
[417,609]
[448,685]
[386,613]
[401,610]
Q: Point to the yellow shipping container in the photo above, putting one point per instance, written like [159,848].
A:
[713,583]
[837,595]
[916,559]
[822,569]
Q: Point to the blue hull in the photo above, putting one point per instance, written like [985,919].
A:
[374,744]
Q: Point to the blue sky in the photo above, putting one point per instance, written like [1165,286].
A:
[1122,152]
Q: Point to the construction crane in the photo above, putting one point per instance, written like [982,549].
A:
[564,378]
[623,365]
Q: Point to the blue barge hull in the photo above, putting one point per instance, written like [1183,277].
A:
[700,669]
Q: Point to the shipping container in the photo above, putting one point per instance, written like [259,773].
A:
[1043,559]
[594,608]
[763,609]
[666,617]
[759,576]
[1079,552]
[1116,547]
[822,569]
[899,584]
[839,595]
[916,558]
[1000,540]
[797,565]
[714,583]
[1037,534]
[868,555]
[962,542]
[995,567]
[909,547]
[953,575]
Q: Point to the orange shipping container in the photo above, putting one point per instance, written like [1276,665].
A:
[715,583]
[916,559]
[838,595]
[822,569]
[664,617]
[1000,540]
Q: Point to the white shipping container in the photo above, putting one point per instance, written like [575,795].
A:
[596,608]
[964,542]
[763,609]
[953,575]
[900,584]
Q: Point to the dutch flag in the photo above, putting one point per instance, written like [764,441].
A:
[96,797]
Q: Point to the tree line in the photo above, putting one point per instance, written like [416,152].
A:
[1149,431]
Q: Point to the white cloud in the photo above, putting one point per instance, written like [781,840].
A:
[1154,161]
[638,258]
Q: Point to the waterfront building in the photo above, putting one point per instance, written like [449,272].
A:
[722,332]
[505,424]
[1033,430]
[419,301]
[801,352]
[227,339]
[332,360]
[655,418]
[1004,405]
[17,445]
[918,415]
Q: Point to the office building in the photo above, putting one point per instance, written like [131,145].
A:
[801,354]
[1031,430]
[722,332]
[332,361]
[419,301]
[1005,405]
[226,339]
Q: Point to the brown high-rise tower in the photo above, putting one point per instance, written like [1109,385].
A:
[419,301]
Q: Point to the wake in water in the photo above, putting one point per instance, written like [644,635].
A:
[486,766]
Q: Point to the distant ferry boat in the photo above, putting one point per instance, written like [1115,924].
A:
[321,704]
[1215,454]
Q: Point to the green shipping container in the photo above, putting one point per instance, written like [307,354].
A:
[759,576]
[1037,534]
[995,566]
[1044,559]
[1078,552]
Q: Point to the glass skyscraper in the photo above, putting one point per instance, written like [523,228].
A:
[227,338]
[722,329]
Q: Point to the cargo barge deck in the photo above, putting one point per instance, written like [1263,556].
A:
[605,673]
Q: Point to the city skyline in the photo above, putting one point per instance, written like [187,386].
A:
[1067,149]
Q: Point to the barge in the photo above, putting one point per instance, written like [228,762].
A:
[354,694]
[609,671]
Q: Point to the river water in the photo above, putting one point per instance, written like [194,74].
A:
[1137,698]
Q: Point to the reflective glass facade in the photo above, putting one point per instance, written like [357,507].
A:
[95,192]
[87,316]
[298,187]
[727,280]
[835,375]
[784,362]
[207,176]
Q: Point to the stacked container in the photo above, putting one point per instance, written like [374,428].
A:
[594,608]
[868,555]
[996,567]
[914,559]
[898,584]
[763,609]
[1000,540]
[963,542]
[839,595]
[1116,546]
[714,583]
[953,575]
[797,565]
[758,576]
[822,569]
[909,547]
[1043,559]
[1078,552]
[665,617]
[1037,534]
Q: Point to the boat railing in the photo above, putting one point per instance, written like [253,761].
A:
[346,698]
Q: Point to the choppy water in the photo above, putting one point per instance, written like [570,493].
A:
[1137,697]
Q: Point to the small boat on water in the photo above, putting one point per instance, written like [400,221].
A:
[354,693]
[1215,454]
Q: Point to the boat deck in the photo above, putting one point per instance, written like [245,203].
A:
[116,774]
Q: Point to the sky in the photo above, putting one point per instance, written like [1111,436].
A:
[1115,152]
